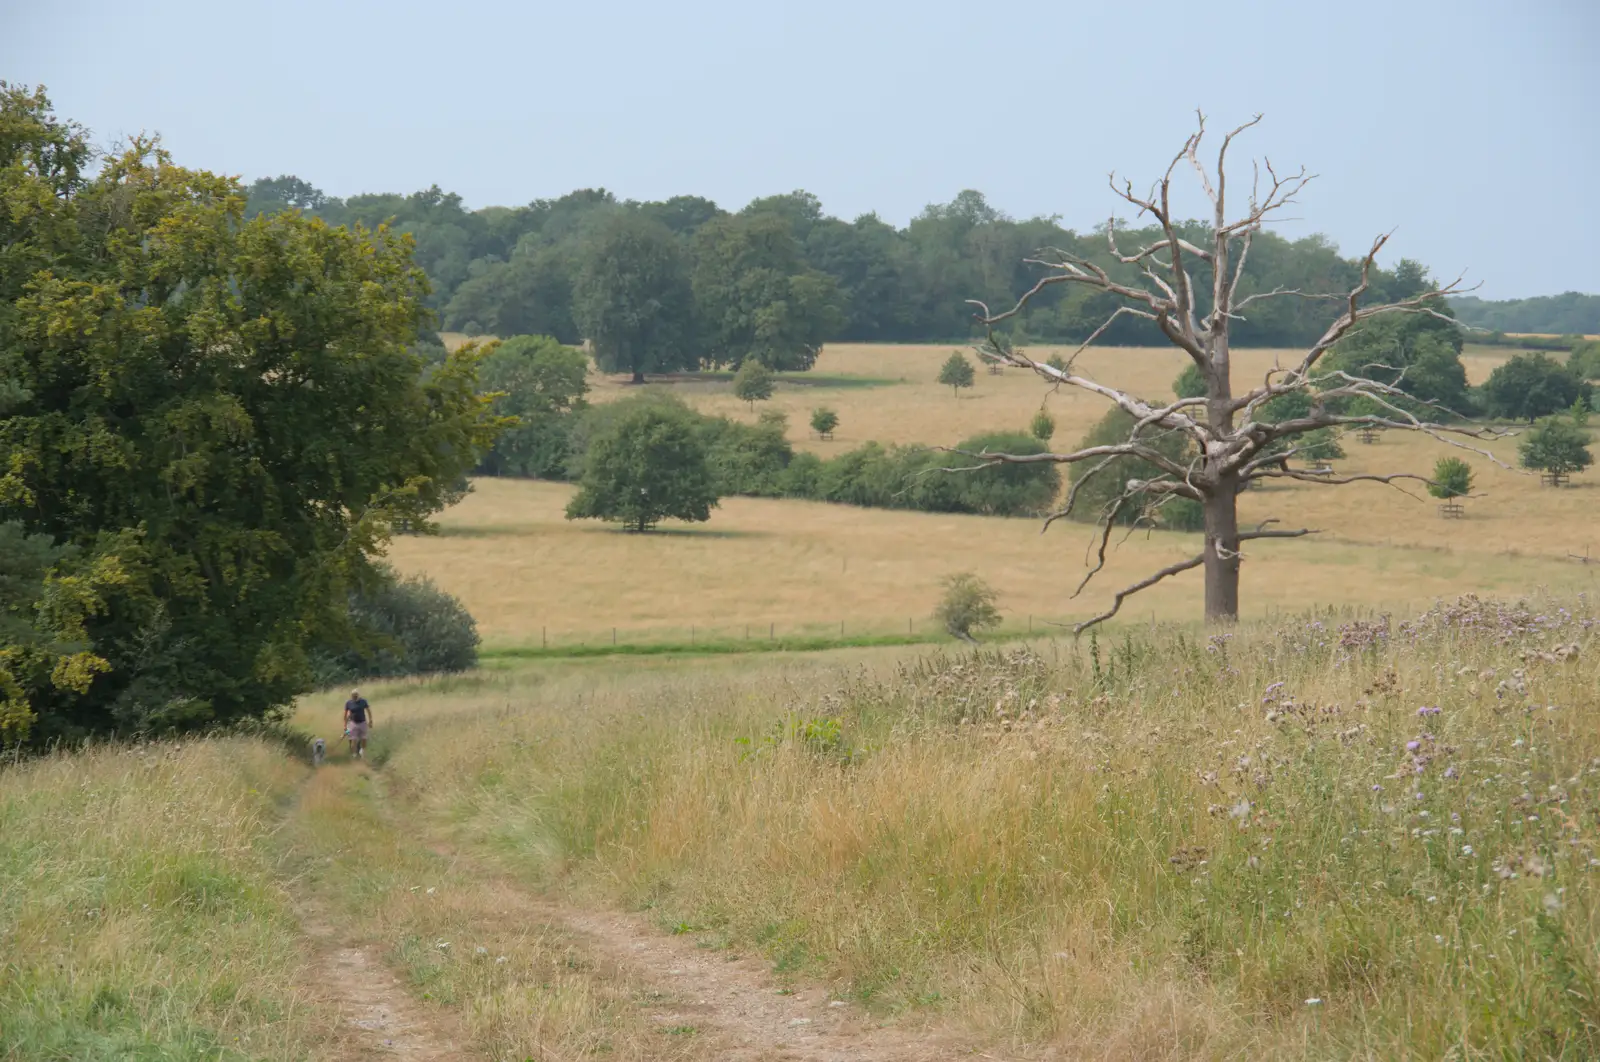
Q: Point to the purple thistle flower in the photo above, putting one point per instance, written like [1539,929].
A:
[1412,746]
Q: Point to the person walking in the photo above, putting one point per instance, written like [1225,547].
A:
[357,723]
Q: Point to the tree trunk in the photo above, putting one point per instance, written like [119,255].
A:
[638,376]
[1222,566]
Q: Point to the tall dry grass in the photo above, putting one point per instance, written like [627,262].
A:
[1313,839]
[141,914]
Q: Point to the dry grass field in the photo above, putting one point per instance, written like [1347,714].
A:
[1299,840]
[523,570]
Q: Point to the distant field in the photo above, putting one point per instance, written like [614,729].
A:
[800,568]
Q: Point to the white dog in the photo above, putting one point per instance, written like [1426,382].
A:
[319,749]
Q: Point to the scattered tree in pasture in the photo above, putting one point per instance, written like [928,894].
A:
[1191,285]
[1530,386]
[1191,382]
[956,373]
[1452,479]
[632,297]
[752,383]
[1557,447]
[217,420]
[649,465]
[1042,426]
[968,606]
[824,421]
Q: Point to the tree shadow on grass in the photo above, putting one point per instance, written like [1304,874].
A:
[679,532]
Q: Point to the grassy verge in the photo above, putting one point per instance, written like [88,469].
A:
[712,647]
[1309,840]
[140,916]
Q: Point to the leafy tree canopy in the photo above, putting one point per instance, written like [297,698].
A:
[1419,353]
[1557,446]
[632,297]
[216,420]
[753,382]
[956,372]
[1452,478]
[648,465]
[537,380]
[1530,386]
[755,296]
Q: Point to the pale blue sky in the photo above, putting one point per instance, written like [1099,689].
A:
[1468,126]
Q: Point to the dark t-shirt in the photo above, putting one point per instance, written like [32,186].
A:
[357,709]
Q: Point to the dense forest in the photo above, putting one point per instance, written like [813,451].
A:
[1556,315]
[779,277]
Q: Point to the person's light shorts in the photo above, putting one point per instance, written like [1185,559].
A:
[358,731]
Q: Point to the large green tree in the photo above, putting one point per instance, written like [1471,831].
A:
[632,297]
[218,420]
[539,382]
[1530,386]
[1420,354]
[648,465]
[755,297]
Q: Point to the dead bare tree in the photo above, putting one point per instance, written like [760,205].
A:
[1232,444]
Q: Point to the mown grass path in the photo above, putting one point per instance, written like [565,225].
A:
[426,953]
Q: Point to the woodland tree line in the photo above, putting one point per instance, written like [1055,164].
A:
[779,277]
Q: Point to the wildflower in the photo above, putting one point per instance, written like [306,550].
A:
[1466,850]
[1552,902]
[1450,771]
[1417,794]
[1412,746]
[1377,788]
[480,950]
[1437,939]
[1429,711]
[1433,899]
[1314,1001]
[499,960]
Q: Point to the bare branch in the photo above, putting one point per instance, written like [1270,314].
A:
[1330,479]
[1143,584]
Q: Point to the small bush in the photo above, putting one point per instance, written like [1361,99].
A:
[824,421]
[753,382]
[1452,478]
[968,605]
[1042,427]
[403,626]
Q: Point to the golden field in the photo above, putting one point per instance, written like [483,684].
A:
[526,573]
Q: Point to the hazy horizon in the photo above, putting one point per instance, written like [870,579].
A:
[1467,130]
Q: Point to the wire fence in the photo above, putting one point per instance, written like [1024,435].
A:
[755,634]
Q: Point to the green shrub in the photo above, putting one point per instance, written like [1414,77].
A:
[403,626]
[746,459]
[1097,497]
[968,605]
[1452,478]
[1042,426]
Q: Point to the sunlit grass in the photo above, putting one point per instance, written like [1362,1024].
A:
[1197,845]
[141,912]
